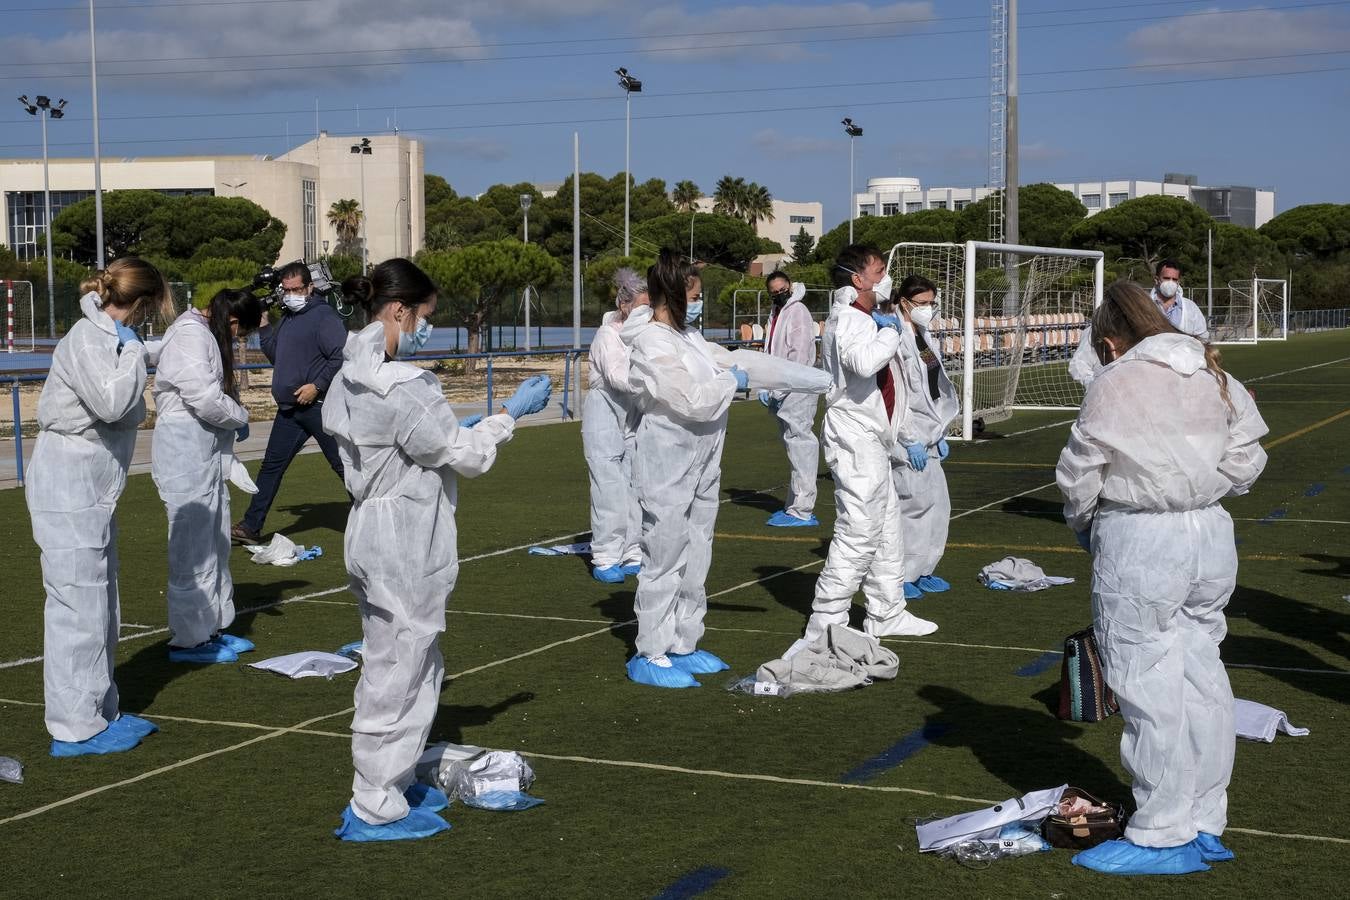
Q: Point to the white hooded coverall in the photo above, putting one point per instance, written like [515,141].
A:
[402,448]
[1153,451]
[88,412]
[1085,364]
[925,505]
[792,336]
[609,439]
[858,437]
[683,388]
[194,435]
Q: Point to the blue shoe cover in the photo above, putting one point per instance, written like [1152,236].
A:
[781,519]
[912,591]
[109,740]
[1124,858]
[631,569]
[1211,848]
[609,574]
[700,662]
[644,671]
[418,823]
[134,725]
[503,801]
[234,642]
[931,584]
[424,796]
[209,652]
[352,650]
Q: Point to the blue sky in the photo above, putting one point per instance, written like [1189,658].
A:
[725,93]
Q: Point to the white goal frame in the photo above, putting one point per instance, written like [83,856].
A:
[13,304]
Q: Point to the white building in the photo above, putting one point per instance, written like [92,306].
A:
[1248,206]
[297,187]
[789,217]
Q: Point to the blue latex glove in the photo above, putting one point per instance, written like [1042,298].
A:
[125,335]
[885,321]
[531,397]
[742,379]
[918,456]
[241,433]
[1084,539]
[470,421]
[943,450]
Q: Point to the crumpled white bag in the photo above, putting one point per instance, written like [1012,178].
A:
[237,475]
[985,824]
[282,551]
[1013,573]
[306,664]
[11,770]
[467,772]
[1258,722]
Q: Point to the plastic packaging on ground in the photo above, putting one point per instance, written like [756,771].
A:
[478,777]
[11,770]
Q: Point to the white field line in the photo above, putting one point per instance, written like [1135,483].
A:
[1286,520]
[1292,371]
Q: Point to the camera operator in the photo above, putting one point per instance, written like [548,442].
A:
[305,347]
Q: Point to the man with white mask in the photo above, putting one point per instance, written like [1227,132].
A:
[1182,312]
[306,349]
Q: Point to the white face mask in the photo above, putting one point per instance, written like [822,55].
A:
[922,316]
[1168,289]
[882,289]
[295,302]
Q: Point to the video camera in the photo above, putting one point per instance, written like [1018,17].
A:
[320,279]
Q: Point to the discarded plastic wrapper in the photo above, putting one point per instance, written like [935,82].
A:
[1258,722]
[749,685]
[11,770]
[985,825]
[478,777]
[306,664]
[281,551]
[1013,573]
[353,650]
[563,550]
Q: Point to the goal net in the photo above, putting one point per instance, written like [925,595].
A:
[20,328]
[1010,320]
[1251,310]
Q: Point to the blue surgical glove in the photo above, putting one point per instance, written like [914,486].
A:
[742,379]
[470,421]
[918,456]
[241,433]
[531,397]
[943,450]
[884,321]
[1084,539]
[125,335]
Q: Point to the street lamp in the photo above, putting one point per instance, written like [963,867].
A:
[630,87]
[853,131]
[43,109]
[525,201]
[362,150]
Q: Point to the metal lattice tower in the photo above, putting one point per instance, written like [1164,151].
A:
[998,115]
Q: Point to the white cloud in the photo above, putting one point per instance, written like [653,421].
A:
[736,24]
[1219,34]
[776,145]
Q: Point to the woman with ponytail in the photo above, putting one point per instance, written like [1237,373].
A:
[198,417]
[1163,435]
[401,450]
[90,407]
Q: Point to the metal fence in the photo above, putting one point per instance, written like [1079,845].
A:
[1307,320]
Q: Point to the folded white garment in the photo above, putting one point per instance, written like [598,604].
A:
[1012,573]
[306,664]
[1258,722]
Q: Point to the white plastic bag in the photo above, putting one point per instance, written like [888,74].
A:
[306,664]
[986,824]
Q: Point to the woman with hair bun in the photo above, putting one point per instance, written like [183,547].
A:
[197,420]
[402,450]
[88,412]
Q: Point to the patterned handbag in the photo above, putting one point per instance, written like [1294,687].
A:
[1083,693]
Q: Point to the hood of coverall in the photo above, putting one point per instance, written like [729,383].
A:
[1179,352]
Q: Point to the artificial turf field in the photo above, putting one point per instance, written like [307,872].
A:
[696,792]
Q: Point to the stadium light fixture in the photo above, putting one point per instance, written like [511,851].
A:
[43,109]
[853,131]
[630,87]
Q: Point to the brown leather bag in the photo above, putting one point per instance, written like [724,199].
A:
[1082,832]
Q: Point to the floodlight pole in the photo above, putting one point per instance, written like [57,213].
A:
[98,166]
[630,86]
[363,150]
[47,229]
[853,131]
[525,201]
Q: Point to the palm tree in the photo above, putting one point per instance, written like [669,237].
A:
[729,198]
[685,196]
[345,216]
[757,206]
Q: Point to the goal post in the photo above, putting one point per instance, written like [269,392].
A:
[20,327]
[1013,317]
[1257,309]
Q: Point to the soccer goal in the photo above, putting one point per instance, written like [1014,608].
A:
[20,329]
[1010,320]
[1252,310]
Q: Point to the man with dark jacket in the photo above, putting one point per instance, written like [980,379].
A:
[305,348]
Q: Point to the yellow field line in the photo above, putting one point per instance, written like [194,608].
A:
[1302,431]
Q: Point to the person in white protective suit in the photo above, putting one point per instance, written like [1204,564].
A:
[1183,314]
[863,412]
[90,407]
[198,417]
[931,405]
[792,336]
[1142,481]
[684,387]
[608,438]
[402,449]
